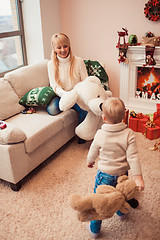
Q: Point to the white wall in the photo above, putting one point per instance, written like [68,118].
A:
[33,30]
[92,26]
[41,20]
[51,23]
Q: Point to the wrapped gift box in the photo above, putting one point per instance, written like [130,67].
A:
[141,122]
[151,132]
[158,108]
[156,118]
[133,124]
[136,124]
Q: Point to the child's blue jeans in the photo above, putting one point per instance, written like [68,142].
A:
[53,109]
[103,179]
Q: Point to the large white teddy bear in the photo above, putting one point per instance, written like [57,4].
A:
[88,94]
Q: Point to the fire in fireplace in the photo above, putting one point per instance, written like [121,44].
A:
[148,83]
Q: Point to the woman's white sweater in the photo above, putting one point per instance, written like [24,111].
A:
[64,72]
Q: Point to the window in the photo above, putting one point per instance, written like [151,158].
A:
[12,42]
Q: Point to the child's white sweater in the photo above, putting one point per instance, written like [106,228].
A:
[115,144]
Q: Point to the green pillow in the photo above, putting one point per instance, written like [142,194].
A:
[94,68]
[38,97]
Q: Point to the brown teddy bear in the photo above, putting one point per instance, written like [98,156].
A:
[106,201]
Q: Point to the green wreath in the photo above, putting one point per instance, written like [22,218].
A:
[152,10]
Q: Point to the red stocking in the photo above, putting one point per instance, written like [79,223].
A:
[149,55]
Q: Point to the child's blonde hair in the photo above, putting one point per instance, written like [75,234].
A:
[114,110]
[61,39]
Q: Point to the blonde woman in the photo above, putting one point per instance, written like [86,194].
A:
[64,71]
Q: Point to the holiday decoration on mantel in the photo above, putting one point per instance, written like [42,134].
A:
[149,49]
[149,55]
[122,35]
[132,40]
[123,54]
[122,46]
[152,10]
[150,39]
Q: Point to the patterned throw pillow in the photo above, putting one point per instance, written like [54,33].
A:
[94,68]
[38,97]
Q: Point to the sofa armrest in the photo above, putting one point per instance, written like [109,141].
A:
[11,134]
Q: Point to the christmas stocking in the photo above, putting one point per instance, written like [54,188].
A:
[149,55]
[122,53]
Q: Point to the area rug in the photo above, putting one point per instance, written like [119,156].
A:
[40,210]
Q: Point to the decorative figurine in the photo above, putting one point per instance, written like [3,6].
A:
[122,34]
[122,47]
[133,40]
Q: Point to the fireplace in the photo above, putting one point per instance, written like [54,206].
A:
[148,83]
[139,85]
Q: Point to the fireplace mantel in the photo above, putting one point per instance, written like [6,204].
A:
[128,76]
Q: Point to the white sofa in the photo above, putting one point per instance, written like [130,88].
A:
[29,139]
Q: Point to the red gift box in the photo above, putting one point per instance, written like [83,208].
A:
[156,118]
[158,108]
[136,124]
[133,124]
[141,122]
[151,132]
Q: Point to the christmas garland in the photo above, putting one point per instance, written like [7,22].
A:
[152,10]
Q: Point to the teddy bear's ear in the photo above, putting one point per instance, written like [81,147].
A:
[127,187]
[122,178]
[109,93]
[68,100]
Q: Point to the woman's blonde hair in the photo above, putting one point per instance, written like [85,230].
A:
[61,39]
[114,110]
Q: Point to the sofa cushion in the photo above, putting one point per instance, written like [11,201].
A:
[11,134]
[37,97]
[26,78]
[38,127]
[69,117]
[9,105]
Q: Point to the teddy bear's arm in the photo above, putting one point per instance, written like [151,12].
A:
[87,129]
[68,100]
[81,203]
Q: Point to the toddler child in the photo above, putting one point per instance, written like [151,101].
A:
[115,145]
